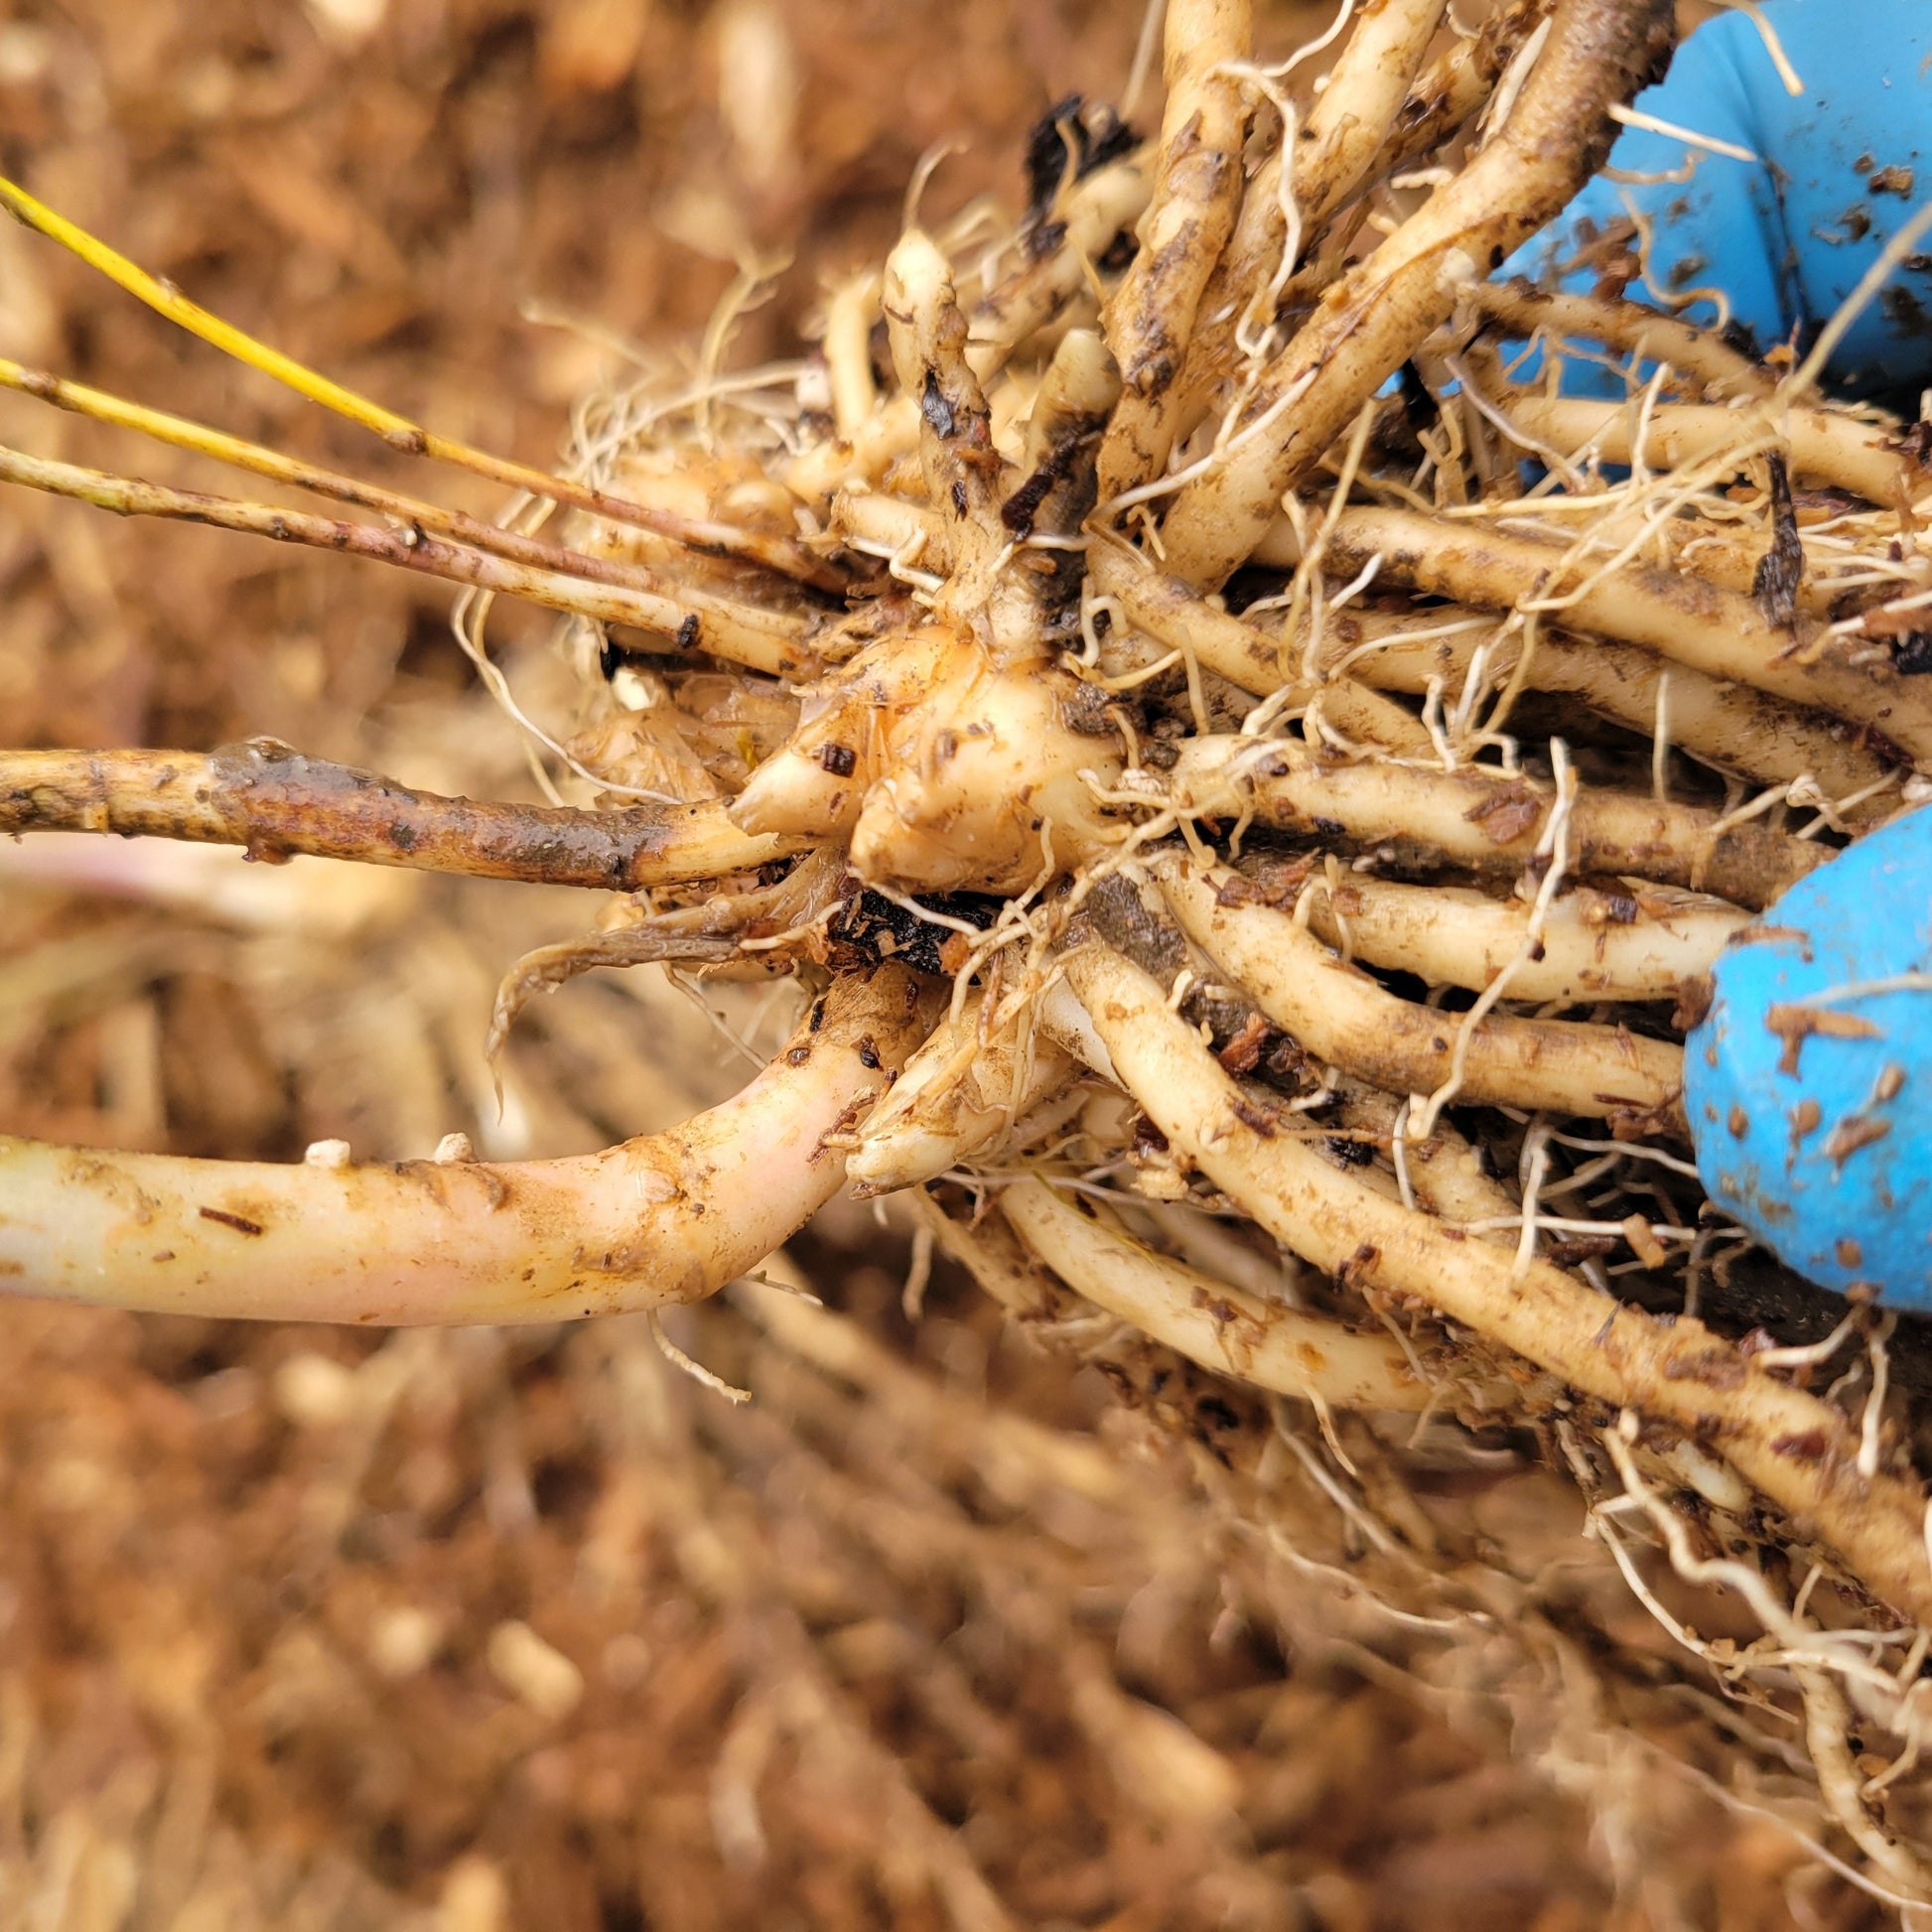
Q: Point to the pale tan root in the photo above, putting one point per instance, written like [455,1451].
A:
[850,312]
[1347,126]
[889,525]
[1181,618]
[1729,558]
[1064,429]
[1197,189]
[1062,446]
[890,432]
[276,802]
[1339,142]
[1723,634]
[1375,316]
[1827,1720]
[1729,725]
[996,1258]
[1081,384]
[1220,1326]
[1445,1171]
[1595,945]
[1484,820]
[1111,199]
[1627,327]
[1343,1017]
[1457,81]
[928,334]
[1796,1449]
[1347,135]
[667,1218]
[966,1086]
[1828,445]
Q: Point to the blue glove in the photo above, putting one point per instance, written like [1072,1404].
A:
[1786,237]
[1809,1082]
[1810,1100]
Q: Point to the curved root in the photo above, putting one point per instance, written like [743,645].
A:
[671,1217]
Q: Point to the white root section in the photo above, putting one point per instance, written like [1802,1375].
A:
[1348,127]
[1444,1172]
[1840,1783]
[1372,319]
[1198,187]
[1457,82]
[1732,725]
[850,311]
[1342,138]
[996,1258]
[1343,1017]
[965,1087]
[1178,615]
[667,1218]
[1219,1326]
[1797,1450]
[1484,820]
[1629,328]
[1093,212]
[890,432]
[1832,447]
[1722,633]
[1595,945]
[965,475]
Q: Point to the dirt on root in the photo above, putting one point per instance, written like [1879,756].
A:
[309,1628]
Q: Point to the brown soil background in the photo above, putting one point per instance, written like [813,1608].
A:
[317,1629]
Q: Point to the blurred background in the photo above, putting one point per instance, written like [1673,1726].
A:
[484,1630]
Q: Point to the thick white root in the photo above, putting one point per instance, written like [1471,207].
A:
[1722,633]
[667,1218]
[1211,1322]
[1835,448]
[1595,945]
[1486,821]
[1343,1017]
[1725,724]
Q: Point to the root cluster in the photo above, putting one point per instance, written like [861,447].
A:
[1273,828]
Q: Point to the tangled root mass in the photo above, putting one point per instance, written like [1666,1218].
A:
[1251,838]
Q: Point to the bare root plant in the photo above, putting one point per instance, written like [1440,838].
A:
[1247,855]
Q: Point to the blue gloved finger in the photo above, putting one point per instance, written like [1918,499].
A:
[1811,1099]
[1841,169]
